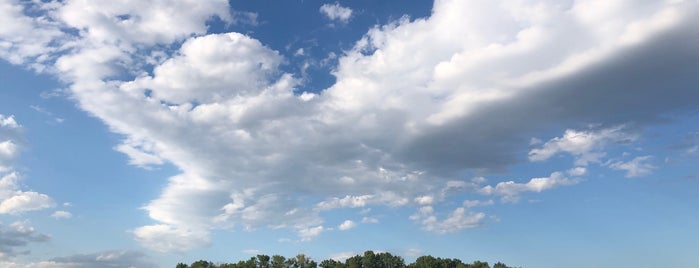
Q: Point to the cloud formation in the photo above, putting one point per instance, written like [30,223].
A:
[336,12]
[346,225]
[636,167]
[18,235]
[403,119]
[13,199]
[107,259]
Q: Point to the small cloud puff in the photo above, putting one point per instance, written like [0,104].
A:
[346,225]
[336,12]
[62,214]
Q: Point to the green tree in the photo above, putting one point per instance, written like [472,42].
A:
[251,263]
[500,265]
[425,262]
[301,261]
[354,262]
[387,260]
[202,264]
[263,261]
[278,261]
[331,264]
[369,260]
[479,264]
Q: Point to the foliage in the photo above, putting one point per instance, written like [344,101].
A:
[369,259]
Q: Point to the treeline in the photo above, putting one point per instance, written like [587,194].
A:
[368,260]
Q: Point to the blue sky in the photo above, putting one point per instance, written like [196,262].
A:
[536,133]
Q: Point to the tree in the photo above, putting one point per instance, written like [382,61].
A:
[354,262]
[389,261]
[331,264]
[263,261]
[301,261]
[425,262]
[479,264]
[369,260]
[500,265]
[202,264]
[278,261]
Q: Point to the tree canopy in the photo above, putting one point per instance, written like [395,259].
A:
[369,259]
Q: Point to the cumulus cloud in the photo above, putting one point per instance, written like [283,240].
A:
[8,122]
[18,235]
[62,214]
[401,118]
[308,234]
[577,171]
[346,225]
[24,39]
[165,238]
[424,200]
[336,12]
[14,199]
[20,201]
[9,136]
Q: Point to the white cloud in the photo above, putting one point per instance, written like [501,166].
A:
[24,39]
[346,225]
[165,238]
[140,21]
[402,117]
[510,191]
[336,12]
[577,171]
[308,234]
[13,199]
[140,153]
[62,214]
[25,201]
[10,133]
[637,167]
[8,122]
[424,200]
[584,145]
[212,69]
[8,149]
[458,219]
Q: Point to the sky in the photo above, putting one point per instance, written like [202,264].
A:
[535,133]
